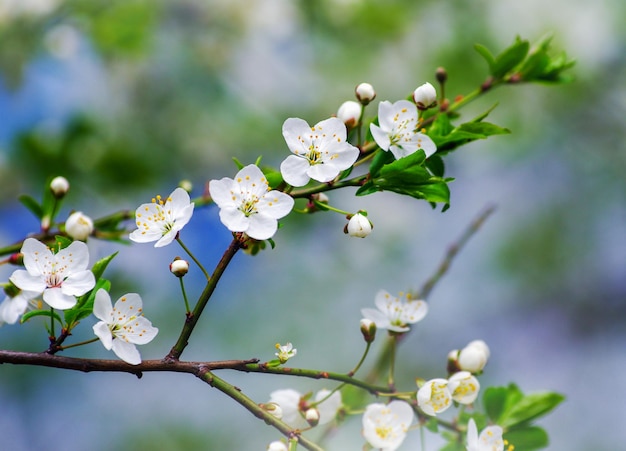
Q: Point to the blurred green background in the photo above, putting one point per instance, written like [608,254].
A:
[126,97]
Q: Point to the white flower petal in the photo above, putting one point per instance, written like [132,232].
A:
[25,281]
[234,219]
[293,129]
[261,227]
[102,307]
[102,331]
[126,351]
[294,170]
[78,283]
[36,256]
[75,255]
[275,204]
[328,409]
[55,298]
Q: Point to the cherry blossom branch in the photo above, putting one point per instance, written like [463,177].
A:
[194,316]
[306,192]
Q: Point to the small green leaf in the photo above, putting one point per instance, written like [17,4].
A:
[527,438]
[380,159]
[47,312]
[494,399]
[32,205]
[484,129]
[61,242]
[99,266]
[432,425]
[486,54]
[436,165]
[84,304]
[530,407]
[510,58]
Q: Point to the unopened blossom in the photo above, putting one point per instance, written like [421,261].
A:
[395,313]
[162,219]
[473,357]
[122,326]
[277,446]
[368,329]
[312,416]
[15,306]
[59,186]
[464,387]
[359,226]
[179,267]
[320,152]
[294,406]
[365,93]
[79,226]
[425,96]
[490,439]
[350,113]
[248,205]
[397,130]
[60,277]
[285,352]
[385,425]
[434,396]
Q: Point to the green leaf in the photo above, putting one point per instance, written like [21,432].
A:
[99,266]
[510,58]
[380,159]
[409,176]
[61,242]
[84,305]
[530,407]
[527,438]
[465,133]
[486,54]
[432,425]
[47,312]
[484,129]
[436,165]
[494,399]
[32,205]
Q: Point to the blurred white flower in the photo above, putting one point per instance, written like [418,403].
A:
[285,352]
[474,356]
[79,226]
[490,439]
[395,314]
[385,425]
[434,396]
[349,113]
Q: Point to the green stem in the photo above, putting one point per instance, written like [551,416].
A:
[86,342]
[306,192]
[192,319]
[392,360]
[358,365]
[193,257]
[182,288]
[237,395]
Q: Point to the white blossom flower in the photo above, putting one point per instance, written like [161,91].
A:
[15,306]
[434,396]
[464,387]
[122,326]
[385,425]
[490,438]
[365,93]
[397,130]
[395,314]
[285,352]
[425,96]
[359,226]
[474,356]
[349,113]
[247,204]
[60,277]
[294,406]
[161,220]
[319,152]
[79,226]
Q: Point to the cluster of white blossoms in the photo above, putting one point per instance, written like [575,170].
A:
[395,313]
[436,395]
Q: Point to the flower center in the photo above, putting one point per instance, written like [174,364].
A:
[314,155]
[384,432]
[438,397]
[248,206]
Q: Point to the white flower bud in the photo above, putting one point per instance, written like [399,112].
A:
[78,226]
[358,226]
[368,329]
[425,96]
[179,267]
[365,93]
[274,409]
[312,416]
[277,446]
[349,113]
[474,356]
[186,185]
[59,186]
